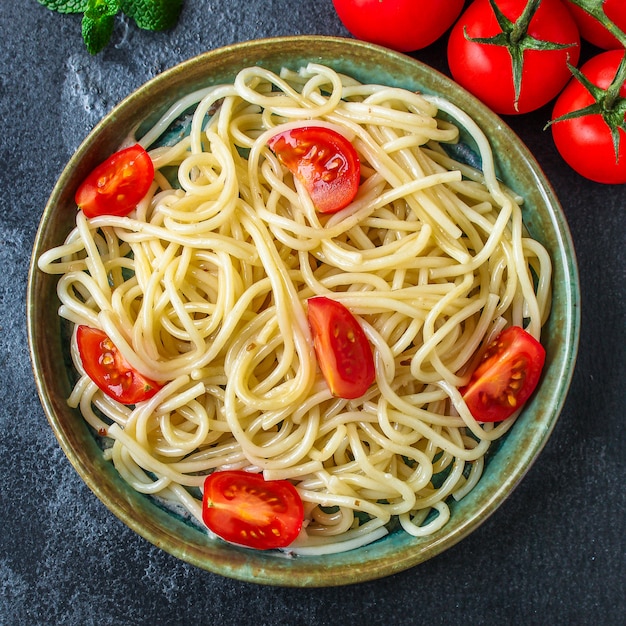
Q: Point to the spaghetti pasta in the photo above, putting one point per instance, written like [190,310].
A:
[203,287]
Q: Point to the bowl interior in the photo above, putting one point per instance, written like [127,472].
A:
[507,463]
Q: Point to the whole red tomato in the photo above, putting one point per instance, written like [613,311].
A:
[487,70]
[402,25]
[592,31]
[585,142]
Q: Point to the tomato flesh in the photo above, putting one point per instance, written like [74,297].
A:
[106,366]
[116,186]
[244,508]
[505,377]
[342,349]
[324,161]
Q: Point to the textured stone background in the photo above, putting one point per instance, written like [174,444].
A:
[554,553]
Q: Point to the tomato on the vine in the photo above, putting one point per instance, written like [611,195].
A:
[513,54]
[589,120]
[106,366]
[593,31]
[323,160]
[244,508]
[506,375]
[342,349]
[403,25]
[116,186]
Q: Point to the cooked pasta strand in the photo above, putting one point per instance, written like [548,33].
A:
[203,288]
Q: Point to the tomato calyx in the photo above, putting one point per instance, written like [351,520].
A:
[608,103]
[515,38]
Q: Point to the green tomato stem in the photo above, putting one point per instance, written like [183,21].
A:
[520,27]
[613,92]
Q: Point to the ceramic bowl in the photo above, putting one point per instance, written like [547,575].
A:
[397,551]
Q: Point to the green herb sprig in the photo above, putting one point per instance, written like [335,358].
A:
[99,16]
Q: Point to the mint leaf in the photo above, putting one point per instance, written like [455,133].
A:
[66,6]
[98,9]
[97,24]
[153,14]
[99,15]
[96,33]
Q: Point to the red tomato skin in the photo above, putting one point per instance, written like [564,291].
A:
[116,185]
[506,376]
[486,70]
[403,25]
[342,349]
[330,189]
[105,365]
[593,31]
[585,143]
[245,509]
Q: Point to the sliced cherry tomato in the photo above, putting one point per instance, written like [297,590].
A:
[116,186]
[586,142]
[404,25]
[509,74]
[506,375]
[343,351]
[593,31]
[105,365]
[324,161]
[244,508]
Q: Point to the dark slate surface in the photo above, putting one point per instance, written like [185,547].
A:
[554,553]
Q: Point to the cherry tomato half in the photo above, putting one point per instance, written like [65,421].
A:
[105,365]
[342,349]
[244,508]
[486,70]
[585,142]
[116,186]
[506,375]
[593,31]
[403,25]
[324,161]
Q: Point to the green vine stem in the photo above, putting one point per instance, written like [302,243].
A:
[594,8]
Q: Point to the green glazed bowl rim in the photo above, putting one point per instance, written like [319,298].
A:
[511,458]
